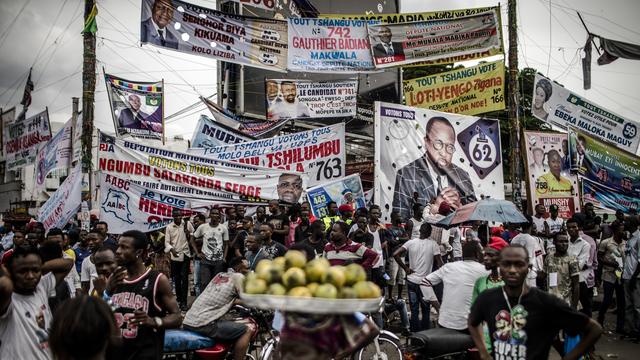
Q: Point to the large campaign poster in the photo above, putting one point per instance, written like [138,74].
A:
[196,177]
[607,198]
[557,105]
[381,18]
[137,107]
[428,157]
[64,203]
[300,99]
[412,42]
[54,154]
[604,163]
[196,30]
[548,170]
[468,91]
[209,133]
[22,137]
[320,153]
[345,191]
[328,45]
[6,117]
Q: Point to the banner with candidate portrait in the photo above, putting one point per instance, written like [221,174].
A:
[22,137]
[604,163]
[607,198]
[137,107]
[54,154]
[300,99]
[382,18]
[196,30]
[412,42]
[195,177]
[429,157]
[320,153]
[64,203]
[346,191]
[328,45]
[548,172]
[468,91]
[6,117]
[557,105]
[209,133]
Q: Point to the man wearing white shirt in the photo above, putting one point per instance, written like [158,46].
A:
[88,271]
[535,250]
[176,242]
[554,224]
[581,249]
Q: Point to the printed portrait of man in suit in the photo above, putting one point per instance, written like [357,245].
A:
[433,176]
[156,30]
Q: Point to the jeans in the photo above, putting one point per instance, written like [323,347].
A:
[180,277]
[208,270]
[632,307]
[586,299]
[401,307]
[609,288]
[417,303]
[196,276]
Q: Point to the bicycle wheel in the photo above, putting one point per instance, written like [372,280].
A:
[389,350]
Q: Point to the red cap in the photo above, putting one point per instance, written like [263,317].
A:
[497,243]
[345,207]
[444,209]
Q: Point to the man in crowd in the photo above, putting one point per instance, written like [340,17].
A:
[255,252]
[541,226]
[19,239]
[302,232]
[105,262]
[610,253]
[423,252]
[332,215]
[272,249]
[215,241]
[238,245]
[279,220]
[523,321]
[340,251]
[579,248]
[397,237]
[562,272]
[196,251]
[534,248]
[415,222]
[56,236]
[81,249]
[108,239]
[346,213]
[141,322]
[88,272]
[316,239]
[553,225]
[379,232]
[176,243]
[260,217]
[490,281]
[630,273]
[210,313]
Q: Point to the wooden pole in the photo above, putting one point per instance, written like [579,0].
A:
[513,102]
[88,94]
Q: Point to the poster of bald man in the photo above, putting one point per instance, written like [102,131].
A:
[136,107]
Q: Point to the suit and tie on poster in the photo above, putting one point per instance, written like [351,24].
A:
[137,107]
[431,157]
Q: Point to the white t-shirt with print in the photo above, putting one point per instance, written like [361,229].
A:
[213,239]
[88,272]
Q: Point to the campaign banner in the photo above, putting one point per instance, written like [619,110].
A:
[196,177]
[604,163]
[64,203]
[320,153]
[125,205]
[209,133]
[6,117]
[260,4]
[76,142]
[412,42]
[468,91]
[253,127]
[606,198]
[300,99]
[424,155]
[22,137]
[328,45]
[555,104]
[373,17]
[197,30]
[346,191]
[548,172]
[54,154]
[137,107]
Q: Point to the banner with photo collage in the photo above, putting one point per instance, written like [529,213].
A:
[300,99]
[345,191]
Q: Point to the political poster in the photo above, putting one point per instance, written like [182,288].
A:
[606,198]
[77,139]
[346,191]
[604,163]
[125,205]
[209,133]
[137,107]
[430,157]
[6,117]
[54,154]
[328,45]
[548,172]
[468,91]
[559,106]
[300,99]
[320,153]
[196,177]
[22,137]
[412,42]
[253,127]
[64,203]
[196,30]
[380,18]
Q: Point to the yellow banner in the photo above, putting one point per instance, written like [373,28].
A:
[431,15]
[468,91]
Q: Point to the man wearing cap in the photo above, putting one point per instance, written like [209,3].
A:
[346,213]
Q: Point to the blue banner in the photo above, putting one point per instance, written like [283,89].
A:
[209,133]
[604,197]
[347,190]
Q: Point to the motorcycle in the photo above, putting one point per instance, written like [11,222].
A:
[440,343]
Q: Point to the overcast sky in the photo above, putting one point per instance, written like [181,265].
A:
[46,35]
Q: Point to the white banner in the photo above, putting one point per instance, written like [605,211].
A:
[209,133]
[77,139]
[64,203]
[194,177]
[54,154]
[557,105]
[424,155]
[328,45]
[299,99]
[5,119]
[319,152]
[22,138]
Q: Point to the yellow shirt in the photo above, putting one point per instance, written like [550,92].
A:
[547,185]
[71,253]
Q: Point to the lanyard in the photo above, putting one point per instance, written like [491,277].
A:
[507,298]
[254,258]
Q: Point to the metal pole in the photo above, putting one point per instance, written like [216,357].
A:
[514,104]
[588,33]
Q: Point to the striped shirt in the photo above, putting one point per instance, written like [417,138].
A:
[350,252]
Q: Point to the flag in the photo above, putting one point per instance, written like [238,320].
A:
[90,24]
[26,96]
[612,49]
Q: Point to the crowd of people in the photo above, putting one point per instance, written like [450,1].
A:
[515,288]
